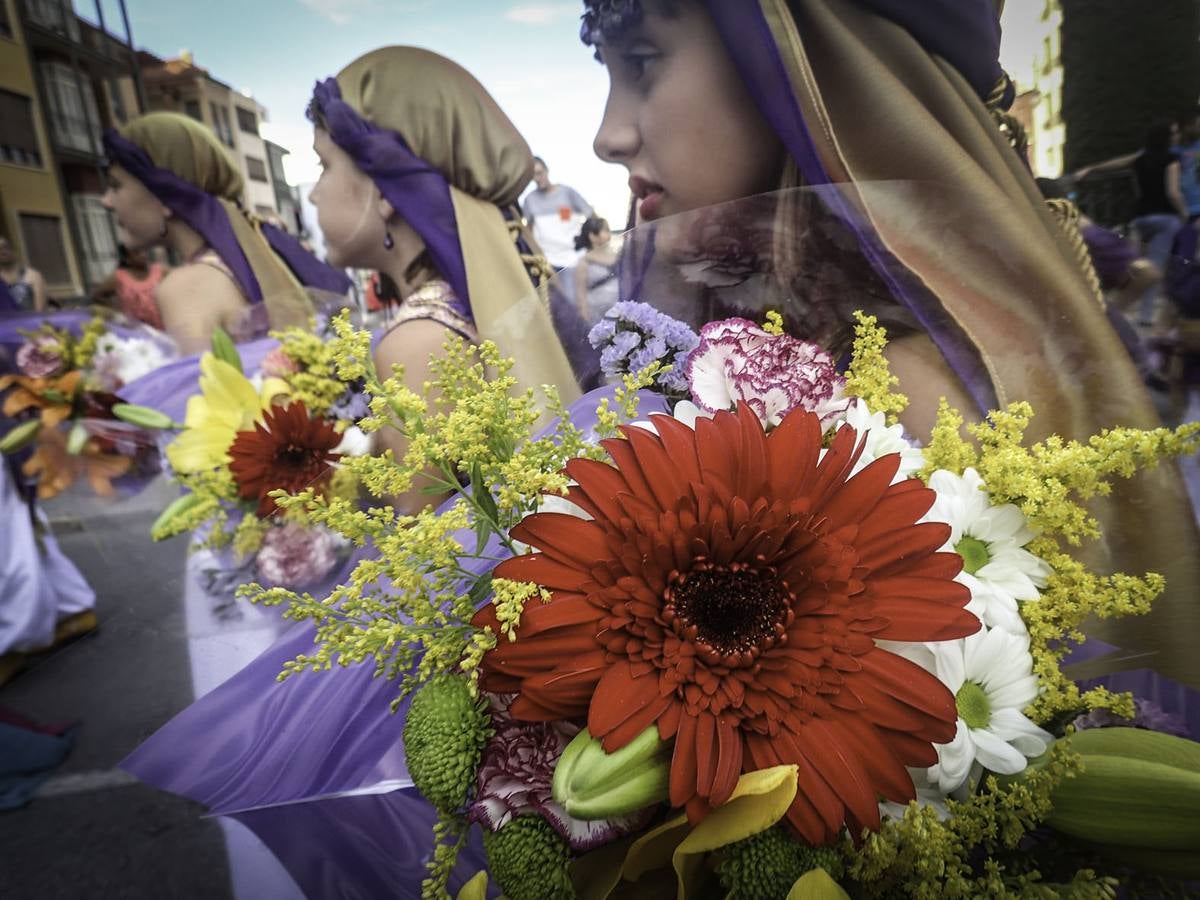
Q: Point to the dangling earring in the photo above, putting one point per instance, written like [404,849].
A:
[162,232]
[388,243]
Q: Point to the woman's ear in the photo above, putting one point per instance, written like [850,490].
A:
[384,206]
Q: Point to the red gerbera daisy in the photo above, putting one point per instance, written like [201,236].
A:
[288,451]
[730,589]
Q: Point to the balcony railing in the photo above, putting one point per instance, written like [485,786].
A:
[53,15]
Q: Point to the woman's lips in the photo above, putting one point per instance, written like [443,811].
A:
[649,195]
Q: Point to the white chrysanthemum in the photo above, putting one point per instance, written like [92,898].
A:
[927,795]
[991,540]
[685,411]
[881,439]
[354,442]
[991,676]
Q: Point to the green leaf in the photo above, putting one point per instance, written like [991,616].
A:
[77,439]
[480,589]
[142,416]
[224,349]
[20,436]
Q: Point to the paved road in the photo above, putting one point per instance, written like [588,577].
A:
[94,832]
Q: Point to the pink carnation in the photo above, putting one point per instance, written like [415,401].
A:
[40,357]
[293,556]
[277,364]
[516,774]
[737,361]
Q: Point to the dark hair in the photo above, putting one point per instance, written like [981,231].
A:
[594,225]
[1158,140]
[1051,188]
[541,162]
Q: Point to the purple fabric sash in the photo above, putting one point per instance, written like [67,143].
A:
[309,271]
[199,209]
[419,192]
[748,38]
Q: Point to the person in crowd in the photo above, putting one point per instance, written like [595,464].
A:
[24,285]
[553,212]
[421,171]
[172,184]
[132,286]
[1161,209]
[595,274]
[1189,163]
[712,101]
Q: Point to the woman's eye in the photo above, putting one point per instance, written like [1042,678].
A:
[638,62]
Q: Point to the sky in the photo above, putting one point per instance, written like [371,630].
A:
[527,54]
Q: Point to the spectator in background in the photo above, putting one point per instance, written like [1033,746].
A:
[1160,208]
[554,213]
[595,275]
[25,286]
[132,284]
[1189,163]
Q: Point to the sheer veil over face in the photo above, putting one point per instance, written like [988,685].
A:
[347,207]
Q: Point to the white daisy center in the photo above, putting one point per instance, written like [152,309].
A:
[974,553]
[974,708]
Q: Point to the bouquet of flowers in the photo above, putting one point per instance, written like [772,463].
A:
[759,641]
[62,397]
[242,439]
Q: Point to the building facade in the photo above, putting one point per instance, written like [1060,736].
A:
[1049,133]
[62,81]
[179,85]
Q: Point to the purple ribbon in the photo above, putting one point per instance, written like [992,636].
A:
[199,209]
[309,271]
[418,191]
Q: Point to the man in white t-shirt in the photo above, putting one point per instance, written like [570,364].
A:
[555,212]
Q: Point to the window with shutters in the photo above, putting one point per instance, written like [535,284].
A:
[18,137]
[256,169]
[247,121]
[45,247]
[74,117]
[97,236]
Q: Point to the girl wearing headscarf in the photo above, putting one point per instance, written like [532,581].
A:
[711,101]
[172,184]
[421,171]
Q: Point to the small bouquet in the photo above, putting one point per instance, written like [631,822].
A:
[64,402]
[242,440]
[760,643]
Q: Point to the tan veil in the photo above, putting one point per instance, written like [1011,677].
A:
[880,107]
[449,120]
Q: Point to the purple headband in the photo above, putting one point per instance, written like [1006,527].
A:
[966,33]
[199,209]
[418,191]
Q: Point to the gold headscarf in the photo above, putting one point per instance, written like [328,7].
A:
[449,120]
[190,151]
[879,107]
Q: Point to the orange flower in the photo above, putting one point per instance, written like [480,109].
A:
[730,589]
[287,451]
[56,469]
[54,397]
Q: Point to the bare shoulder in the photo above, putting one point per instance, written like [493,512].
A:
[411,344]
[925,378]
[194,300]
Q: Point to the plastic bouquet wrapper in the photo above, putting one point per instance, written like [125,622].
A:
[285,428]
[58,396]
[722,628]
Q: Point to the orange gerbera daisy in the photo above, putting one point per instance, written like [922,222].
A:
[288,450]
[730,589]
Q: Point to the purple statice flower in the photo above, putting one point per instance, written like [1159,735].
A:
[737,361]
[40,357]
[352,405]
[515,777]
[1147,715]
[633,335]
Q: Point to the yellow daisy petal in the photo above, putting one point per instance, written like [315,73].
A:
[200,449]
